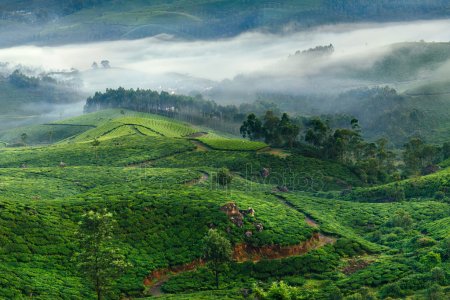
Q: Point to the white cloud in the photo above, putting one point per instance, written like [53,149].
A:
[221,59]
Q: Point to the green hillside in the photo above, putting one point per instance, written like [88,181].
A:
[407,62]
[158,178]
[430,186]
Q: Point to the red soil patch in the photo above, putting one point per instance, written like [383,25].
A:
[244,252]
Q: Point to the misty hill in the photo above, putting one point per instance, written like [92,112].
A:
[408,62]
[50,22]
[32,100]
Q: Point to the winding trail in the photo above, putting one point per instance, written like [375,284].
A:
[201,147]
[241,253]
[244,252]
[308,219]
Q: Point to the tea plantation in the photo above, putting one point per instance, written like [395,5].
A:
[159,180]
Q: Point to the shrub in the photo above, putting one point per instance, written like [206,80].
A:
[414,282]
[347,247]
[391,290]
[430,260]
[401,219]
[435,292]
[425,242]
[438,275]
[356,296]
[223,177]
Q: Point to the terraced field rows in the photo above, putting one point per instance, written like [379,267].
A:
[168,128]
[232,144]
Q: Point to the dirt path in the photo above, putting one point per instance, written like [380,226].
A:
[311,222]
[157,278]
[308,219]
[274,151]
[244,252]
[241,253]
[201,147]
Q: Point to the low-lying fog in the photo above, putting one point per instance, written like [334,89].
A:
[251,61]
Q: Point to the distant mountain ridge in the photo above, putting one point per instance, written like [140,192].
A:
[58,22]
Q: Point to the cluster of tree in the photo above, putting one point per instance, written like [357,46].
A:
[20,80]
[420,158]
[193,109]
[372,161]
[274,131]
[319,50]
[382,111]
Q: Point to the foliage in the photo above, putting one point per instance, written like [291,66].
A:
[295,172]
[111,152]
[402,219]
[252,128]
[162,194]
[223,177]
[418,155]
[419,187]
[278,290]
[217,251]
[232,144]
[435,292]
[99,259]
[275,131]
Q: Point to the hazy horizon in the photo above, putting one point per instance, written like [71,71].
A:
[151,62]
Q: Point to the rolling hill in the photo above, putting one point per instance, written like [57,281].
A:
[157,176]
[55,22]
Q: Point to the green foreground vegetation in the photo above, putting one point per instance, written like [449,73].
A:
[293,234]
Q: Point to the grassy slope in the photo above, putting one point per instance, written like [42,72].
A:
[161,223]
[163,210]
[420,187]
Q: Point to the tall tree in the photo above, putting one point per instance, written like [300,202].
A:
[318,133]
[98,258]
[252,128]
[24,138]
[217,252]
[270,128]
[288,130]
[418,155]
